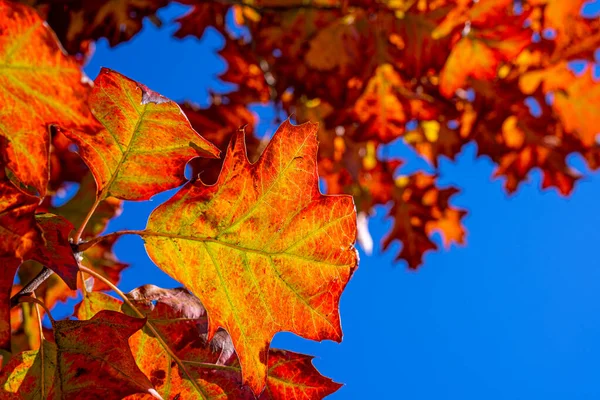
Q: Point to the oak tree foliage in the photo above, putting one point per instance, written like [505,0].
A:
[257,246]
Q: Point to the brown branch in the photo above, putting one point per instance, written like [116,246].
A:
[28,289]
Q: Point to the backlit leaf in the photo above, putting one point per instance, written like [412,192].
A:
[145,143]
[39,86]
[56,253]
[262,249]
[421,208]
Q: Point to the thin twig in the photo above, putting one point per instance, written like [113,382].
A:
[42,338]
[87,218]
[28,289]
[46,273]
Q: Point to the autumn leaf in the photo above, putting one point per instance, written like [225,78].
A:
[292,375]
[18,235]
[250,240]
[211,368]
[56,252]
[201,16]
[77,23]
[245,72]
[18,229]
[577,107]
[420,208]
[39,86]
[81,357]
[469,58]
[145,143]
[93,303]
[381,112]
[29,375]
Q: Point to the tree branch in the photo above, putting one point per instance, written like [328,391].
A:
[275,8]
[28,289]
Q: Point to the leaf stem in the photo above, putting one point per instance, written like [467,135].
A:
[29,299]
[211,366]
[87,218]
[92,242]
[42,338]
[148,323]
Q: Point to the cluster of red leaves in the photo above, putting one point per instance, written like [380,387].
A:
[433,74]
[262,249]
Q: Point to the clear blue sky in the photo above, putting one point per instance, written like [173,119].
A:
[513,315]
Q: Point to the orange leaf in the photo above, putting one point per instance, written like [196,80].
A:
[469,58]
[146,142]
[577,107]
[245,245]
[420,208]
[39,86]
[379,109]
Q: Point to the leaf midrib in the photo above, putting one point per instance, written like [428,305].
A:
[106,190]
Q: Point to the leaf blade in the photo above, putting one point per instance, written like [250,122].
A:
[276,228]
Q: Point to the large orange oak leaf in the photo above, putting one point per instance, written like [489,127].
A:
[262,249]
[39,86]
[210,368]
[82,364]
[145,143]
